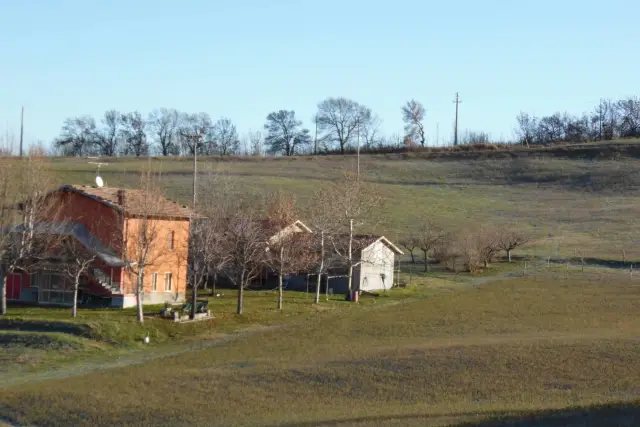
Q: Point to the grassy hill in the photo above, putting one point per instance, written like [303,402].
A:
[539,345]
[577,198]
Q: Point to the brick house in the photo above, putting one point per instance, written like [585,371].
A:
[106,222]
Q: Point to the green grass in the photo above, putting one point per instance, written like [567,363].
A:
[40,338]
[513,346]
[588,206]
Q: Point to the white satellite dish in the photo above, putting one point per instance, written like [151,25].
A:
[99,181]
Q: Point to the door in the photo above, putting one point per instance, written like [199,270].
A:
[14,284]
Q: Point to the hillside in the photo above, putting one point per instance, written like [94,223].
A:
[579,198]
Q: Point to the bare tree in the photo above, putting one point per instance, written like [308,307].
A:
[526,130]
[246,243]
[413,114]
[69,257]
[288,252]
[508,240]
[428,236]
[370,132]
[24,205]
[339,120]
[629,117]
[410,242]
[487,245]
[134,134]
[208,251]
[285,134]
[199,125]
[108,138]
[78,136]
[225,136]
[323,221]
[164,123]
[256,143]
[355,202]
[142,248]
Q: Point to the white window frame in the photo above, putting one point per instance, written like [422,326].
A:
[168,275]
[154,282]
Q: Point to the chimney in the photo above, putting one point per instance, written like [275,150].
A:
[121,197]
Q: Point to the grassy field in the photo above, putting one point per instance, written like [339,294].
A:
[36,339]
[572,204]
[557,347]
[480,355]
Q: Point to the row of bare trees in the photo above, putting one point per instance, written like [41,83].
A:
[468,250]
[133,134]
[608,120]
[234,239]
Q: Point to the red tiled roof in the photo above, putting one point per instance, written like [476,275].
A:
[135,202]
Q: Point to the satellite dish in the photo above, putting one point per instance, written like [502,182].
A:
[99,181]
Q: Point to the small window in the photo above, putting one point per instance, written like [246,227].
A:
[154,282]
[170,240]
[167,281]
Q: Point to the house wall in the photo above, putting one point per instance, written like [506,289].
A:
[160,260]
[100,220]
[376,260]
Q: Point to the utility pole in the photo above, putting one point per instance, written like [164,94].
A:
[195,138]
[315,141]
[21,130]
[358,155]
[438,134]
[457,102]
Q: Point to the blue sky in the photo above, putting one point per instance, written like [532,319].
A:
[245,58]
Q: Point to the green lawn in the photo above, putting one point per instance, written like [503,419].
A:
[506,348]
[494,349]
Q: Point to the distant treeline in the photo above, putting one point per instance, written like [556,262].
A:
[340,125]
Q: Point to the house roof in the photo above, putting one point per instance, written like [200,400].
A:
[82,235]
[362,241]
[134,201]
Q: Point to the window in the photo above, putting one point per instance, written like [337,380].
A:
[170,240]
[154,282]
[167,281]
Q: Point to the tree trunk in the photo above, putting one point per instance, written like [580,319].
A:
[139,295]
[413,258]
[320,269]
[194,299]
[240,297]
[350,258]
[240,294]
[76,285]
[426,263]
[280,291]
[509,254]
[213,286]
[486,263]
[3,294]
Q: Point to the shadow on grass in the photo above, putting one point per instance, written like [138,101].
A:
[617,414]
[45,326]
